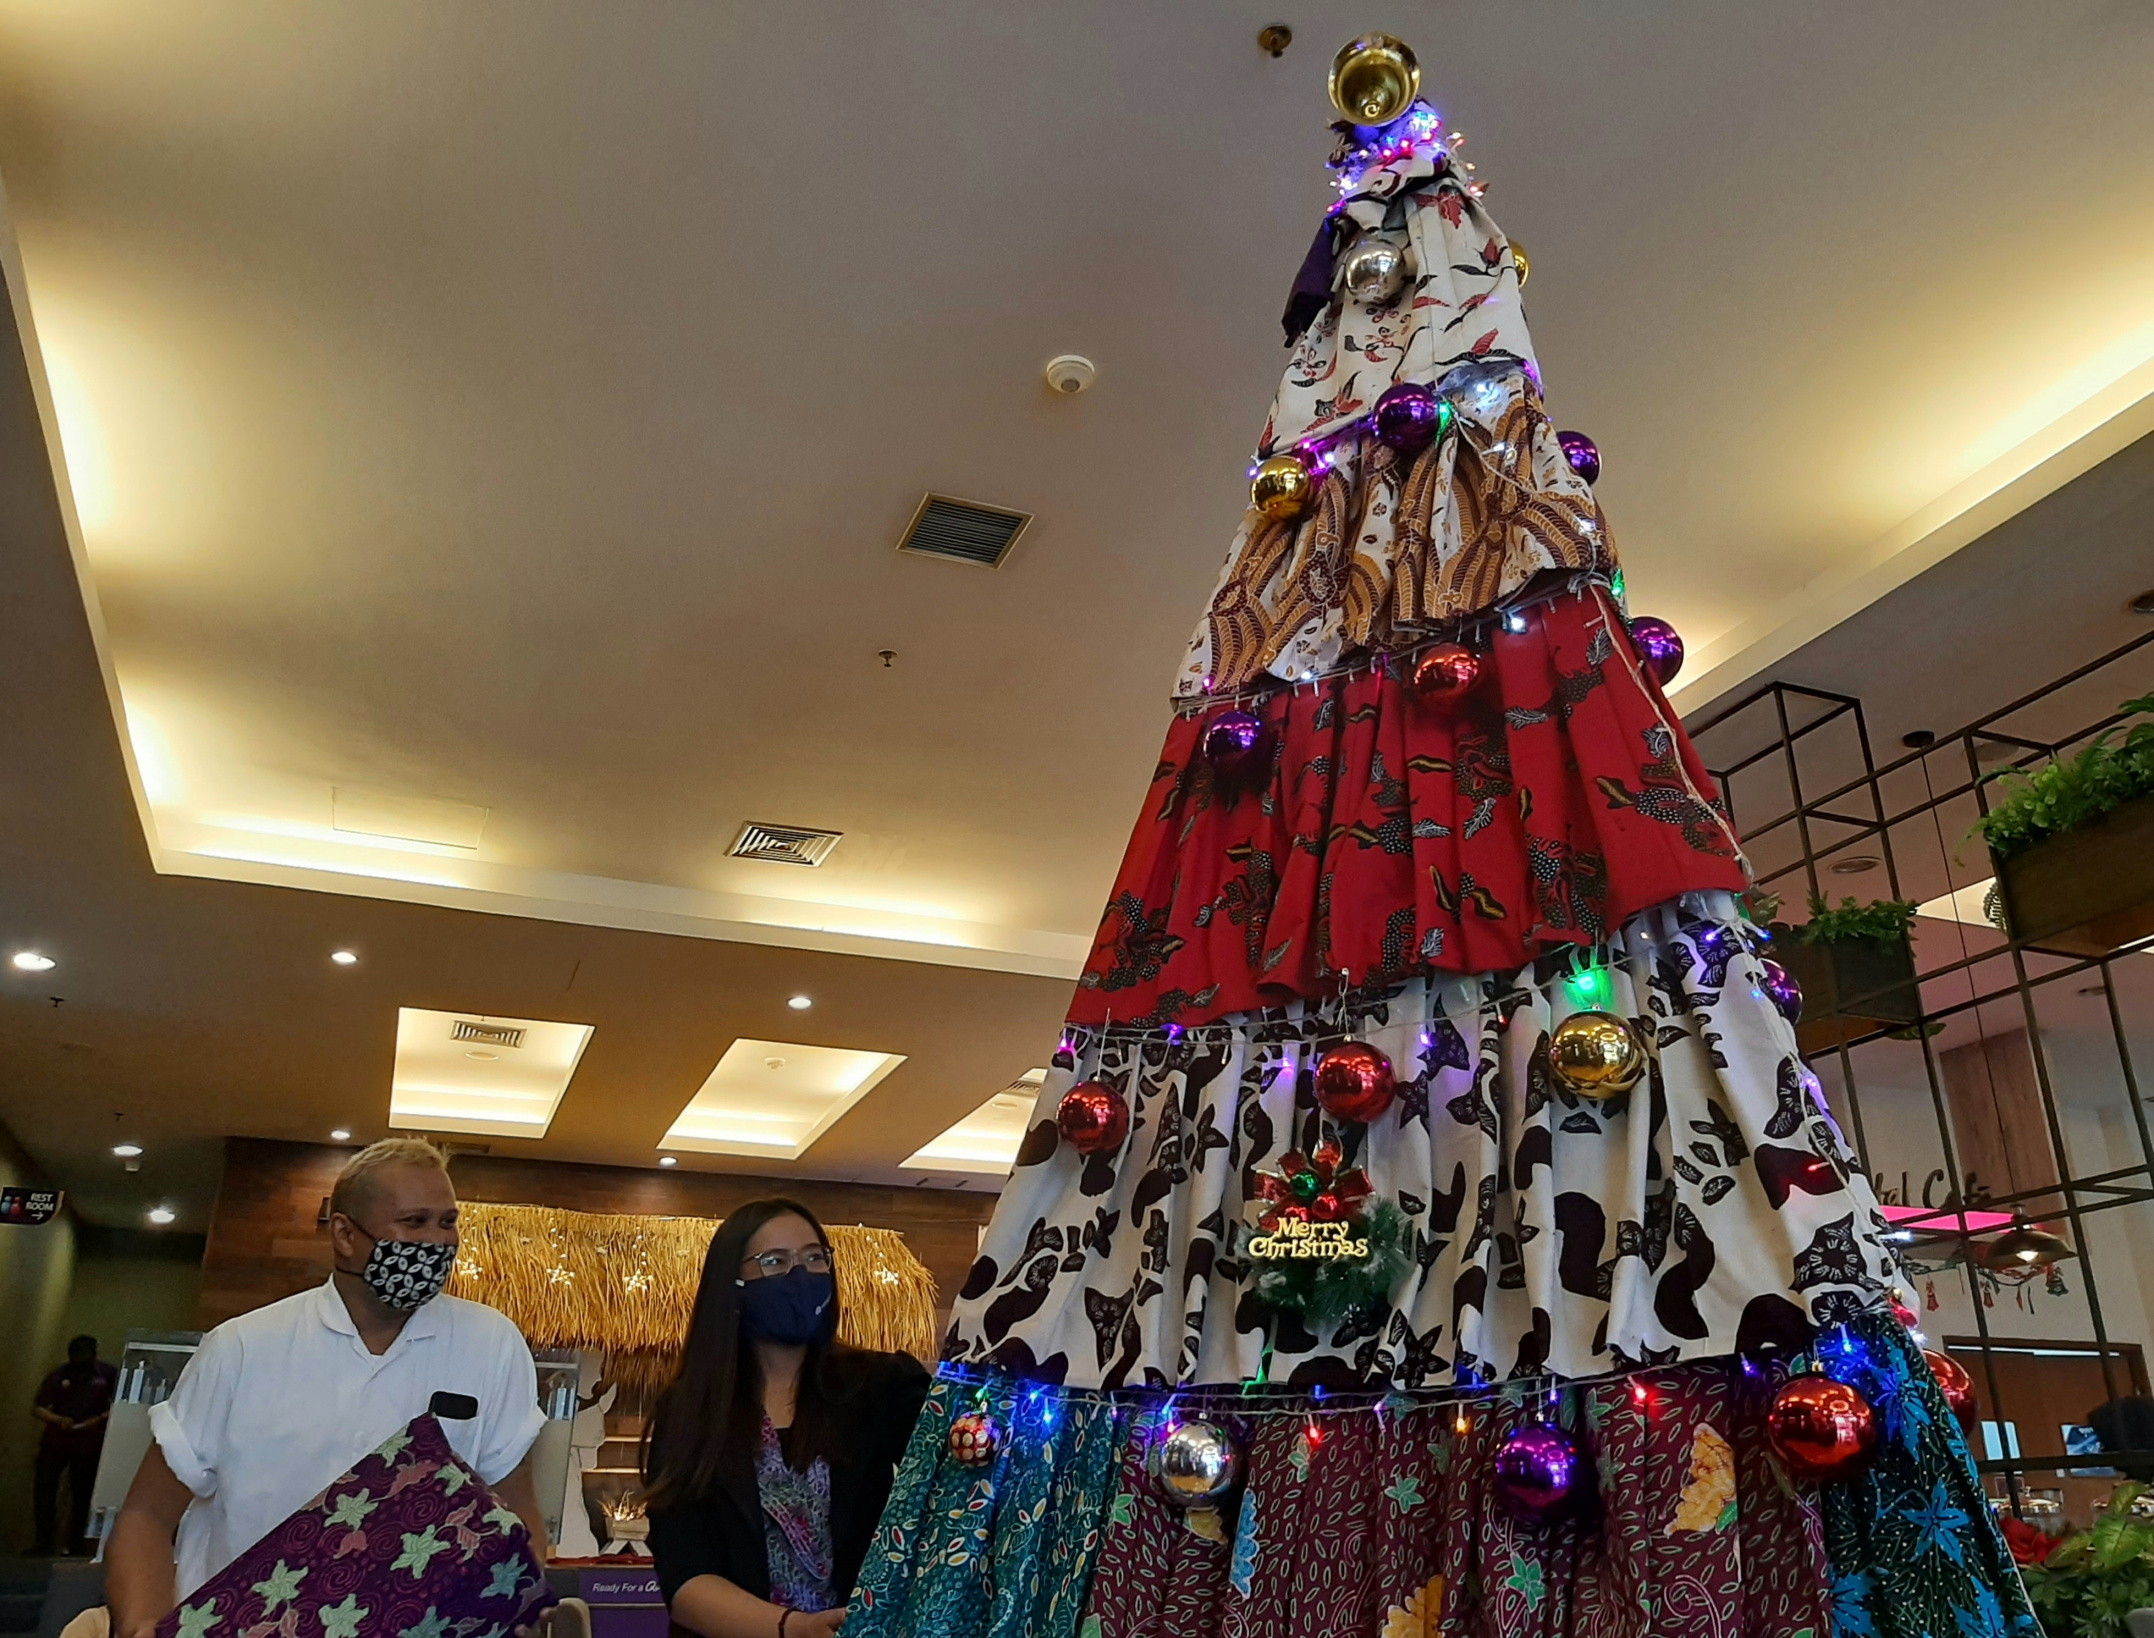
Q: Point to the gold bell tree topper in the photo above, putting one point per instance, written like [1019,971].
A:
[1374,79]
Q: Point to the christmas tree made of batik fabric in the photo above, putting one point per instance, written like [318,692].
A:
[1423,795]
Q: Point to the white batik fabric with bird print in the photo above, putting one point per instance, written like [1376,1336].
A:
[1713,1207]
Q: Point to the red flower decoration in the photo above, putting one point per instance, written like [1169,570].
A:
[1311,1189]
[2030,1544]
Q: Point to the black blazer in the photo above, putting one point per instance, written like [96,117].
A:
[722,1533]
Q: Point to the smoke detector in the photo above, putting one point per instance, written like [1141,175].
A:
[1070,373]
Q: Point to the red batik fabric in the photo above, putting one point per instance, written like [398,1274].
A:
[1379,836]
[1388,1526]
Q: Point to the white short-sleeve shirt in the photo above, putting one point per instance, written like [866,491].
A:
[277,1404]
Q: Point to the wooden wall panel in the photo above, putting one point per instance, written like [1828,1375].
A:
[1998,1126]
[265,1242]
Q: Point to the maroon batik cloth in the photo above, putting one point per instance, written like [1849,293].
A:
[409,1544]
[1387,1527]
[1380,836]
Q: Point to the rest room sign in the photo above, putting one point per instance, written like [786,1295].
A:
[30,1207]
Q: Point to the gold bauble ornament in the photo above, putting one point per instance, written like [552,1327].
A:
[1519,260]
[1283,487]
[1596,1055]
[1374,79]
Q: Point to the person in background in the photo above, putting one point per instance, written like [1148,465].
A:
[276,1404]
[771,1454]
[74,1403]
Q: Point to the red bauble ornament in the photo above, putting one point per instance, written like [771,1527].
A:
[1957,1387]
[1354,1082]
[1824,1431]
[1445,673]
[974,1438]
[1093,1118]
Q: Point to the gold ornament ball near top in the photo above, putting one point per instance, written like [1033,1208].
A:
[1520,261]
[1596,1055]
[1374,79]
[1283,487]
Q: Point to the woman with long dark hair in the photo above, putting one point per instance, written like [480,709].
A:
[771,1453]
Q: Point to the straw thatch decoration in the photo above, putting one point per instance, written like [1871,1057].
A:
[572,1279]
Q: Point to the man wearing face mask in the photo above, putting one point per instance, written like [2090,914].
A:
[277,1403]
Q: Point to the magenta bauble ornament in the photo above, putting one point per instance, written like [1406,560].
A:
[1539,1476]
[1822,1430]
[1582,452]
[974,1438]
[1781,989]
[1445,673]
[1232,740]
[1660,650]
[1354,1082]
[1093,1118]
[1410,416]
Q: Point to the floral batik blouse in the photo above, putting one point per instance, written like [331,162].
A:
[796,1526]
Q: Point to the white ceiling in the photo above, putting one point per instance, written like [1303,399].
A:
[514,406]
[499,418]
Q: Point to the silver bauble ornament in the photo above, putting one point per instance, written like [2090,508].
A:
[1373,272]
[1193,1464]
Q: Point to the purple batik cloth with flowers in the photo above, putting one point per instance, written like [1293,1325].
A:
[409,1544]
[796,1526]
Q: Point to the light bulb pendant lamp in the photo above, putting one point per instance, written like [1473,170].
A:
[2025,1249]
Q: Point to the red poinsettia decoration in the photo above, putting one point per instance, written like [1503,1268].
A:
[1311,1189]
[2030,1543]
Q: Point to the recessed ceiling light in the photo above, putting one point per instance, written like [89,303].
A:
[799,1003]
[161,1215]
[31,961]
[127,1151]
[2143,603]
[667,1160]
[343,1134]
[345,958]
[1860,864]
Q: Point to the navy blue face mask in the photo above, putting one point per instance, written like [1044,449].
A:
[788,1309]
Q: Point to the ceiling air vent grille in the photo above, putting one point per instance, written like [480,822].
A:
[502,1035]
[783,844]
[963,531]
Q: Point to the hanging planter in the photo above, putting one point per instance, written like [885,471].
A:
[2084,892]
[2073,843]
[1856,969]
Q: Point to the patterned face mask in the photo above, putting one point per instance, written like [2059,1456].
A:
[406,1274]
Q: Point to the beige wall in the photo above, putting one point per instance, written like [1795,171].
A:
[112,1295]
[36,1266]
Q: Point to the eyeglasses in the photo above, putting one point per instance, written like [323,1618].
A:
[770,1264]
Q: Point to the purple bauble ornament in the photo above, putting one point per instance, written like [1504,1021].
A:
[1660,650]
[1583,454]
[1409,415]
[1781,990]
[1538,1474]
[1231,740]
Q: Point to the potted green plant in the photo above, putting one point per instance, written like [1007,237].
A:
[2073,843]
[1856,968]
[2088,1583]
